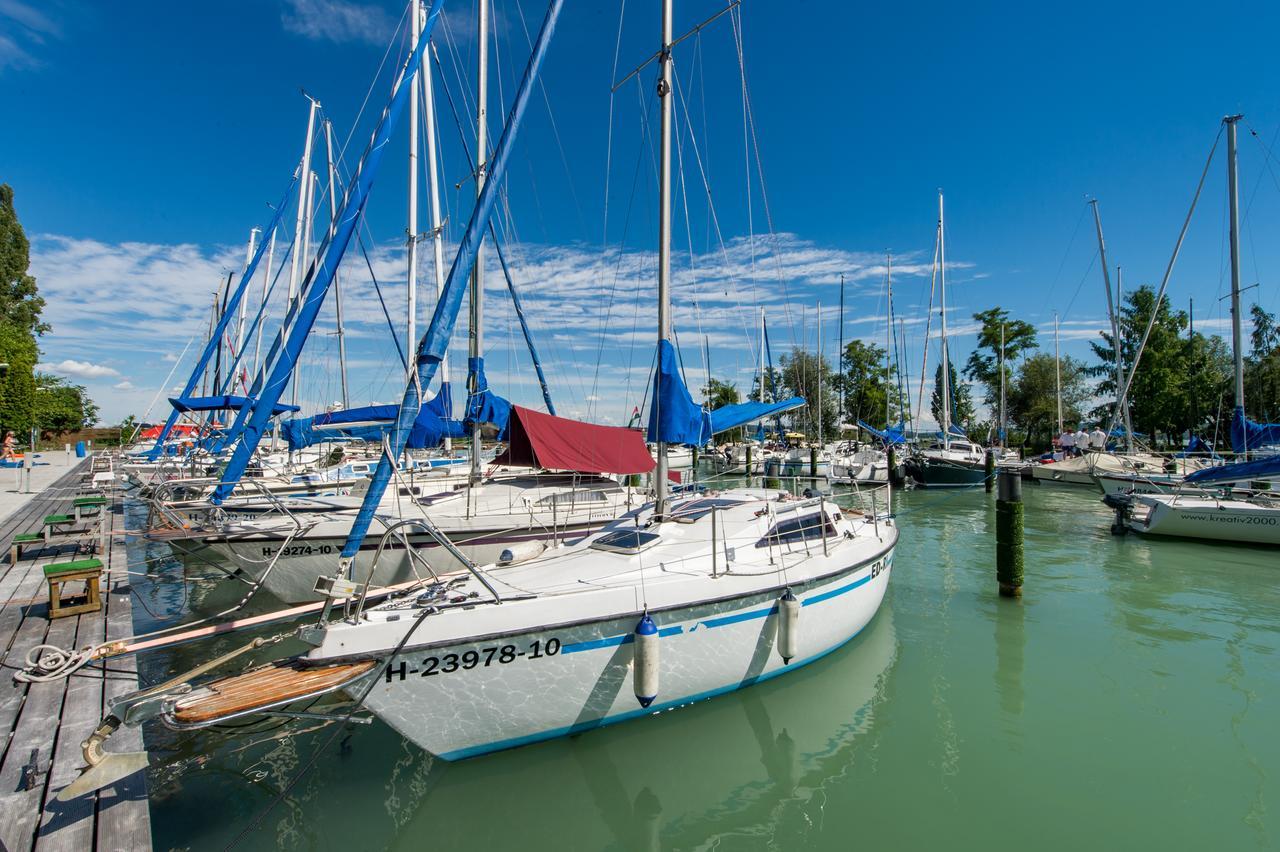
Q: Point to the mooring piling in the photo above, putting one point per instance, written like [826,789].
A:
[991,469]
[1009,560]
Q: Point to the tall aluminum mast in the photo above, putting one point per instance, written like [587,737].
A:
[946,353]
[411,290]
[433,193]
[1233,200]
[664,230]
[476,348]
[1112,309]
[337,288]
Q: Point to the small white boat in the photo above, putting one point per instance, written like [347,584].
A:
[1247,520]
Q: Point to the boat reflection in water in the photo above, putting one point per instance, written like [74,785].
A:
[751,767]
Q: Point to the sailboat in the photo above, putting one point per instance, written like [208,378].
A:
[682,599]
[952,461]
[1225,515]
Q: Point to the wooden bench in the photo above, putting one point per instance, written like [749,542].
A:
[21,542]
[87,570]
[62,529]
[85,507]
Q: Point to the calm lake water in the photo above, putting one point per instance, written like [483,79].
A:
[1129,700]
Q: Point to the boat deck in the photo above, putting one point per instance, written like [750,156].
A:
[44,723]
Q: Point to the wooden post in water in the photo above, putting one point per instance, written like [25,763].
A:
[1009,562]
[813,462]
[748,470]
[991,469]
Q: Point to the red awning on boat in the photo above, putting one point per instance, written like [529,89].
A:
[557,443]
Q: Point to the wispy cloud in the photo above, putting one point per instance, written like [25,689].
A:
[79,369]
[23,29]
[337,21]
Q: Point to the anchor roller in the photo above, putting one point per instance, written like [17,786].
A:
[788,626]
[644,671]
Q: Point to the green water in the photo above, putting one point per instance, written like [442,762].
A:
[1129,700]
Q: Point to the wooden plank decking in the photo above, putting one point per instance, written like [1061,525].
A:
[44,723]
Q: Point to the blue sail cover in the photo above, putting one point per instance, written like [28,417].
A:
[956,432]
[890,435]
[1247,436]
[1265,468]
[222,403]
[371,422]
[676,419]
[728,417]
[485,406]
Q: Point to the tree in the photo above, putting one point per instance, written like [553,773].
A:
[809,376]
[1159,390]
[20,323]
[1032,398]
[867,384]
[961,399]
[62,406]
[1262,368]
[983,365]
[717,394]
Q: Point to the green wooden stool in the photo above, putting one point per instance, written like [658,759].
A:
[87,570]
[21,542]
[84,507]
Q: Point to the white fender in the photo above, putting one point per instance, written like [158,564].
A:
[788,626]
[521,551]
[645,668]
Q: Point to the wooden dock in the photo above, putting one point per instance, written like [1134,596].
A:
[44,723]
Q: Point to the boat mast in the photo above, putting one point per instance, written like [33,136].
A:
[888,335]
[248,259]
[840,358]
[1057,370]
[476,341]
[1000,435]
[266,282]
[411,290]
[1115,324]
[946,355]
[664,230]
[337,289]
[433,191]
[1233,200]
[817,369]
[304,183]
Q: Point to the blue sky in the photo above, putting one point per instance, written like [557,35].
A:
[145,139]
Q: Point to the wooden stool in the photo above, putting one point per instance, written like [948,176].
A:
[57,573]
[21,542]
[84,507]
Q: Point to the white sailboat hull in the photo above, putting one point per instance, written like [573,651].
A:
[519,693]
[1186,516]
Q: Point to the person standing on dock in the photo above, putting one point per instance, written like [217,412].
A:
[9,443]
[1098,439]
[1067,443]
[1082,441]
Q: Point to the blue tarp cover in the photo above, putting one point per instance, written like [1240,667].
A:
[222,403]
[371,422]
[1247,435]
[485,406]
[1264,468]
[676,419]
[891,435]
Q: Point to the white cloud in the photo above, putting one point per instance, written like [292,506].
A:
[79,369]
[169,358]
[23,28]
[337,21]
[124,386]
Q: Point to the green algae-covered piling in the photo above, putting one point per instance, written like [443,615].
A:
[1009,561]
[991,469]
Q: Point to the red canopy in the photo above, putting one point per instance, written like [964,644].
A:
[557,443]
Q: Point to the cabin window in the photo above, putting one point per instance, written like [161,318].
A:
[570,498]
[797,529]
[700,508]
[626,541]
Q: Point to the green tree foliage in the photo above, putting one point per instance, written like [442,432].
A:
[19,321]
[802,375]
[983,365]
[1262,368]
[868,385]
[62,406]
[962,412]
[1032,398]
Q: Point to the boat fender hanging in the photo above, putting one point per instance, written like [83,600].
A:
[521,551]
[788,626]
[645,669]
